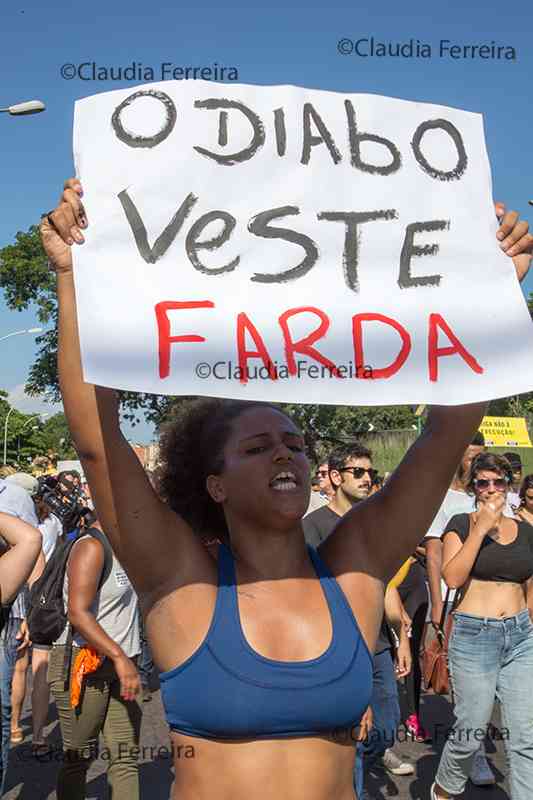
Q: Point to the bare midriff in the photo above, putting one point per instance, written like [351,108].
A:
[496,599]
[307,768]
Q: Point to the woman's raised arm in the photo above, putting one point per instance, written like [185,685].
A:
[153,544]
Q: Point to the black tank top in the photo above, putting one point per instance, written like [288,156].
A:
[511,563]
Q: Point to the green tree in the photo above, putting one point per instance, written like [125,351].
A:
[56,434]
[25,438]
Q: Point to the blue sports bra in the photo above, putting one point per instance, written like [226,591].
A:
[226,690]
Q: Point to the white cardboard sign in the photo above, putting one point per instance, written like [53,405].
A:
[293,245]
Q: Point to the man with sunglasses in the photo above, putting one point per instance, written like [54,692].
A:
[351,474]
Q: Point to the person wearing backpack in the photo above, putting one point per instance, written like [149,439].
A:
[37,654]
[102,630]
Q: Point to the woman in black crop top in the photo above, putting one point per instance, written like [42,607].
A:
[238,471]
[489,558]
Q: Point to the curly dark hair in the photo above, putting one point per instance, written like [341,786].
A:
[488,461]
[527,484]
[192,449]
[337,458]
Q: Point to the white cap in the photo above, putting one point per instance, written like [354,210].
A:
[25,481]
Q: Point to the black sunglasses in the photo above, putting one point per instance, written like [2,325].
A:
[499,483]
[358,472]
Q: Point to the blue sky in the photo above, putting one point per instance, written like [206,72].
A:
[274,43]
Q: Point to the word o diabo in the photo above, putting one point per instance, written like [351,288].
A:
[315,133]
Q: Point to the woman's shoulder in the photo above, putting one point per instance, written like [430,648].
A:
[458,523]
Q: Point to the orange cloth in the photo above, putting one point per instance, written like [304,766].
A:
[87,661]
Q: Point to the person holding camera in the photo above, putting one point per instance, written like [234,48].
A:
[489,557]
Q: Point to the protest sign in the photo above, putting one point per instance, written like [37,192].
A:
[293,245]
[505,432]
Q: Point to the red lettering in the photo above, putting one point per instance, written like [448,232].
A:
[357,331]
[244,323]
[163,327]
[435,352]
[304,346]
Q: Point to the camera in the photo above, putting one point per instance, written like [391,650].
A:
[65,500]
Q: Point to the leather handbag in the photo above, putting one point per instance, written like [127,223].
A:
[435,656]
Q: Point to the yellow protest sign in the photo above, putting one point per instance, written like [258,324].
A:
[505,432]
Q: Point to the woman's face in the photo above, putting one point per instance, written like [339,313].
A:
[488,484]
[265,479]
[528,498]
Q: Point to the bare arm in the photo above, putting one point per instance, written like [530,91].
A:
[384,530]
[16,565]
[156,547]
[394,610]
[434,571]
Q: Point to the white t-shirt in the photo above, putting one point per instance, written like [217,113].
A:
[51,529]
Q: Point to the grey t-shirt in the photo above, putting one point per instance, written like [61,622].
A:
[317,527]
[115,607]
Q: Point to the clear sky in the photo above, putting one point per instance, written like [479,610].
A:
[272,43]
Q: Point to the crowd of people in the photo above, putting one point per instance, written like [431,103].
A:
[489,506]
[280,619]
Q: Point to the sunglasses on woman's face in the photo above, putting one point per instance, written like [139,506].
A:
[500,484]
[358,472]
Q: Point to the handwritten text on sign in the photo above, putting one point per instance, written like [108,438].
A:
[292,245]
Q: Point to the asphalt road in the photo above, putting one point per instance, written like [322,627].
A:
[34,779]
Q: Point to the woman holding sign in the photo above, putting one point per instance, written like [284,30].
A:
[265,650]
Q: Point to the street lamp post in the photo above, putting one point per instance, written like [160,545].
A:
[18,333]
[5,434]
[5,428]
[34,428]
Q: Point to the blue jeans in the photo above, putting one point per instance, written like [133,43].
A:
[8,657]
[490,658]
[386,710]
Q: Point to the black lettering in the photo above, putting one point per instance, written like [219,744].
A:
[223,129]
[259,226]
[350,256]
[409,250]
[311,141]
[192,245]
[132,139]
[451,130]
[163,242]
[355,146]
[281,133]
[258,138]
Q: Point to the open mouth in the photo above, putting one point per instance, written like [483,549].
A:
[284,482]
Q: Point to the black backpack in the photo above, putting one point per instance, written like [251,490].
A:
[46,617]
